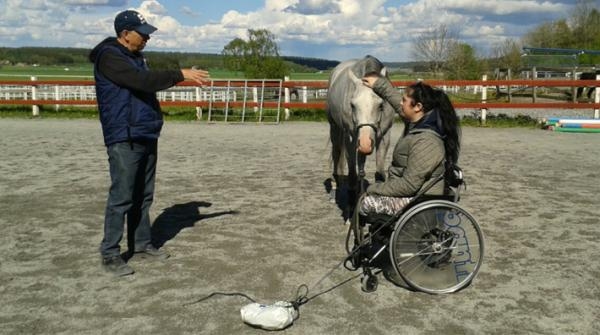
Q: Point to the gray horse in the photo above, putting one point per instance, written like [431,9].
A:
[359,123]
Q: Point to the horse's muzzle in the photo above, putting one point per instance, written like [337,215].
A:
[366,134]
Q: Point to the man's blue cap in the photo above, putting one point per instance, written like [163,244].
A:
[132,20]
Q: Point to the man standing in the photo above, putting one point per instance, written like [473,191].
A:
[131,122]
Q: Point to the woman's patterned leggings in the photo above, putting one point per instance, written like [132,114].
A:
[382,205]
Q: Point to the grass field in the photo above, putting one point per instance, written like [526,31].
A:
[25,72]
[85,71]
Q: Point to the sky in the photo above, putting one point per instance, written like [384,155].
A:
[326,29]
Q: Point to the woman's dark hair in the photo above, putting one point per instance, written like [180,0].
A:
[431,99]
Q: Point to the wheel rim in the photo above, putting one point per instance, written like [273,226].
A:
[437,247]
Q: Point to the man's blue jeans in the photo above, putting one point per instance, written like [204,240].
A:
[132,174]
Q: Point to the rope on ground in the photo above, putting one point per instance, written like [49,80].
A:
[219,293]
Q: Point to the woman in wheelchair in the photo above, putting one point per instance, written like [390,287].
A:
[435,245]
[431,140]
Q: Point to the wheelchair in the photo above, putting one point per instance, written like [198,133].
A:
[434,245]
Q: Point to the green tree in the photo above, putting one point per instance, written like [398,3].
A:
[507,55]
[462,62]
[580,31]
[164,62]
[64,59]
[257,57]
[585,20]
[433,47]
[556,34]
[234,54]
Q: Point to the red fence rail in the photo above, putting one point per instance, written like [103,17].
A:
[523,83]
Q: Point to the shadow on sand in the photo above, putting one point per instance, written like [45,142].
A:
[179,216]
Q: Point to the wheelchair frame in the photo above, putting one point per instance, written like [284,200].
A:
[434,244]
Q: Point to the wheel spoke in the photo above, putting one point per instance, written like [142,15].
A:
[437,247]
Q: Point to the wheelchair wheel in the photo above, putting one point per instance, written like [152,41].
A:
[437,247]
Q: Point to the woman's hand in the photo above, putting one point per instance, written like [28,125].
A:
[369,80]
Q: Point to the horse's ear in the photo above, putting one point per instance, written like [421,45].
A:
[383,72]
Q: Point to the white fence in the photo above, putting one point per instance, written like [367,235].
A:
[263,100]
[227,100]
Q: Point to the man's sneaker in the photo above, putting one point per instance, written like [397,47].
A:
[151,252]
[117,266]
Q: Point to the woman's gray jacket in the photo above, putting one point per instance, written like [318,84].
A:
[418,156]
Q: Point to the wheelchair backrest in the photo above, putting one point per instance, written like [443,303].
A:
[454,180]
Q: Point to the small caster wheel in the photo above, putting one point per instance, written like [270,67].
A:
[369,283]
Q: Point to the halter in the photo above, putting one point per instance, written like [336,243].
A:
[361,167]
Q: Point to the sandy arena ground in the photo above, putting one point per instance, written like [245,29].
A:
[243,208]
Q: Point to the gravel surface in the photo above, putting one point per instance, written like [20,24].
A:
[243,208]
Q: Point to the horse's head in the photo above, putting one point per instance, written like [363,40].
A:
[367,111]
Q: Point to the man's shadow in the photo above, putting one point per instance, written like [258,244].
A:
[179,216]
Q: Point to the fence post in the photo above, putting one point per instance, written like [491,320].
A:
[198,98]
[262,100]
[304,94]
[35,109]
[245,100]
[227,99]
[534,77]
[483,100]
[210,100]
[255,98]
[286,99]
[508,87]
[597,99]
[574,88]
[56,97]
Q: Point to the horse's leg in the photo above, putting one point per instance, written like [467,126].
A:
[336,136]
[383,145]
[360,164]
[352,177]
[590,91]
[579,92]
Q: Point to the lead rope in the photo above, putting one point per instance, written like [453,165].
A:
[301,296]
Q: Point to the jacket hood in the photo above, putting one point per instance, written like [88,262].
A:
[431,120]
[109,40]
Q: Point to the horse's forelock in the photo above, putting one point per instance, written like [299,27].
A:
[369,64]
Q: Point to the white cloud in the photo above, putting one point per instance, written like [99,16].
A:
[487,30]
[188,11]
[152,7]
[504,7]
[114,3]
[335,29]
[279,5]
[33,4]
[314,7]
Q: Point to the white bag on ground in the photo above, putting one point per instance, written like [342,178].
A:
[271,317]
